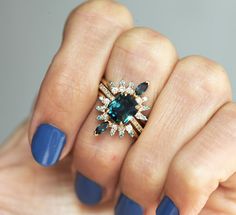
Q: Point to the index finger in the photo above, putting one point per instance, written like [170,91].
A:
[69,89]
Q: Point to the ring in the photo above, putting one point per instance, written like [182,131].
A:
[122,107]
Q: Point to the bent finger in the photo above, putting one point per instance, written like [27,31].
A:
[138,55]
[203,164]
[196,89]
[69,89]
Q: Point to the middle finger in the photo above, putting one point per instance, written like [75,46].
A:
[138,55]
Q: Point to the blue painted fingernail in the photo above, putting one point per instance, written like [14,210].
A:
[88,191]
[167,207]
[126,206]
[47,144]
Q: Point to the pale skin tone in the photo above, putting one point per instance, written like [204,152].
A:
[186,151]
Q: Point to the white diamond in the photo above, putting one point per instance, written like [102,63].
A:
[122,87]
[128,127]
[140,116]
[144,99]
[112,84]
[101,108]
[121,130]
[106,101]
[131,85]
[101,98]
[130,90]
[114,128]
[139,100]
[130,130]
[99,117]
[103,117]
[144,108]
[114,90]
[122,83]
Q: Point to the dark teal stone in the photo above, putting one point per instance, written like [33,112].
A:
[101,127]
[141,88]
[122,108]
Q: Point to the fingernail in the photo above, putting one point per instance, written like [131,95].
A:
[88,191]
[47,144]
[167,207]
[126,206]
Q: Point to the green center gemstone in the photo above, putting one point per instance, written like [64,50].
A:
[122,108]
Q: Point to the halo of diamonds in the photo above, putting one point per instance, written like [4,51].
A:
[109,92]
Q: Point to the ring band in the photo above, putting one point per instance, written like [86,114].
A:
[122,107]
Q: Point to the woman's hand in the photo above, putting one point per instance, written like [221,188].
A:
[28,189]
[184,160]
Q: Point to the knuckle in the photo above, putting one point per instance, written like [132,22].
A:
[192,178]
[227,117]
[151,42]
[64,78]
[202,78]
[61,95]
[105,159]
[147,181]
[230,110]
[98,21]
[63,91]
[144,169]
[104,9]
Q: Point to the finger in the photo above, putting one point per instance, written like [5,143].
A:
[222,199]
[195,90]
[138,55]
[69,89]
[204,163]
[23,183]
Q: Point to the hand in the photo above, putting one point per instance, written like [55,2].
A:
[186,153]
[28,189]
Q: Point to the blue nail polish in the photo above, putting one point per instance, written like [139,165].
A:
[47,144]
[126,206]
[88,191]
[167,207]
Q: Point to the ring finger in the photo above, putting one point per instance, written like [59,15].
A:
[197,88]
[66,96]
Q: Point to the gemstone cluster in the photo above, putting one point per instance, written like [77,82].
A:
[122,108]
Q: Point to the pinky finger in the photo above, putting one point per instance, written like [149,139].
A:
[202,166]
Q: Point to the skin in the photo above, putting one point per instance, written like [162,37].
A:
[29,189]
[186,151]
